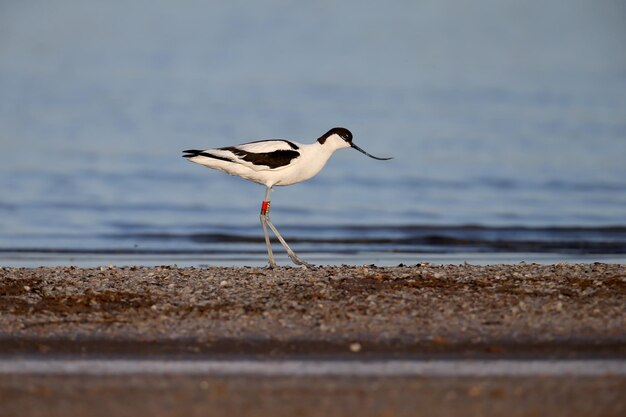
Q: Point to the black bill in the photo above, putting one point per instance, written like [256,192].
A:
[371,156]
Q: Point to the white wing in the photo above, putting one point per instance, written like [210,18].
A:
[258,156]
[265,146]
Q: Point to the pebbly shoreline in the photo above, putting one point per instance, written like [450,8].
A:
[422,308]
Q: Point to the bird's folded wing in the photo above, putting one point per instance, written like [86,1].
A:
[258,156]
[265,146]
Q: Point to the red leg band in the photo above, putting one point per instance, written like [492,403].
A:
[265,207]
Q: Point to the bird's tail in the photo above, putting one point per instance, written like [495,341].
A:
[190,153]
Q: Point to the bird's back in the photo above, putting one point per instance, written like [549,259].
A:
[267,162]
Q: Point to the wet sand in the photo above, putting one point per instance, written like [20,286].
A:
[420,312]
[322,396]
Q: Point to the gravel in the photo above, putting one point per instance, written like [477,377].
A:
[358,307]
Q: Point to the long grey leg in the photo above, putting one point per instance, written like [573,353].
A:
[265,220]
[265,208]
[297,260]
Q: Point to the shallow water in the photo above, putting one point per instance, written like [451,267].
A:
[301,368]
[495,118]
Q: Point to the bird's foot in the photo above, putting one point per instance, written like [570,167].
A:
[296,260]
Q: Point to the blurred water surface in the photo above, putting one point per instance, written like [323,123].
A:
[505,116]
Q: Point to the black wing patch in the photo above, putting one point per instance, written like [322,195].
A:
[275,159]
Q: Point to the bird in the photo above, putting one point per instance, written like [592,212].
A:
[276,162]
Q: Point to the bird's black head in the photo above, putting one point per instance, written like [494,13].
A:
[344,134]
[340,131]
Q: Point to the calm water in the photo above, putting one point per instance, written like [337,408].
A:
[507,121]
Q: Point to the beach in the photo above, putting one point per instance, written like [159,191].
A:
[417,313]
[434,304]
[480,271]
